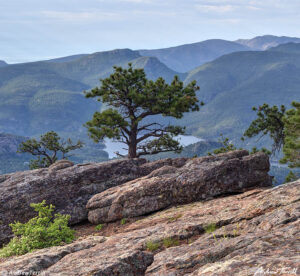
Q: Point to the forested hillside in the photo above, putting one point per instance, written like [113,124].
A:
[48,95]
[232,84]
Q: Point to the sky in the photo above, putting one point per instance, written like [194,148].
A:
[33,30]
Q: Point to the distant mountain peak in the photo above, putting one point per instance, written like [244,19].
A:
[186,57]
[266,42]
[154,68]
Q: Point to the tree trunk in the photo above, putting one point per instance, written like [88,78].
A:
[133,138]
[132,143]
[132,150]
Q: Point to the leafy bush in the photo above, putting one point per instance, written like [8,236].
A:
[39,232]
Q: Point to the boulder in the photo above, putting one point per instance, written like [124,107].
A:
[67,186]
[198,179]
[61,164]
[256,233]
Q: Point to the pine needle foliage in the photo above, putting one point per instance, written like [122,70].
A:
[131,99]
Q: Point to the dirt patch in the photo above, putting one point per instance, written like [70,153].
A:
[107,229]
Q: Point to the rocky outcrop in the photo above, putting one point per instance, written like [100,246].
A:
[61,164]
[45,258]
[198,179]
[67,186]
[256,233]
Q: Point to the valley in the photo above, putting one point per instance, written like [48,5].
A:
[233,76]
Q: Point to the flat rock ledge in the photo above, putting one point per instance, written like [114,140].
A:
[257,233]
[198,179]
[67,186]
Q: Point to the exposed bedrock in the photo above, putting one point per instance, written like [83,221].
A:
[199,179]
[256,233]
[67,186]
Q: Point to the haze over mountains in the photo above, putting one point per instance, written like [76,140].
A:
[48,95]
[2,63]
[267,41]
[39,96]
[233,84]
[186,57]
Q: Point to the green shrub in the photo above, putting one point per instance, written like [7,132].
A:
[123,221]
[39,232]
[152,246]
[99,227]
[255,150]
[227,145]
[291,177]
[169,242]
[210,228]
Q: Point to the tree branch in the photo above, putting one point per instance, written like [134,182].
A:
[145,127]
[154,133]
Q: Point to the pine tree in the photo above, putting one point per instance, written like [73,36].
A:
[291,146]
[131,98]
[48,149]
[283,126]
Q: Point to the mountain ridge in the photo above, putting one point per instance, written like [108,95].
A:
[266,42]
[41,96]
[185,57]
[233,83]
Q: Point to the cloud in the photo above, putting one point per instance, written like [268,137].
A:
[254,8]
[215,8]
[35,28]
[79,16]
[138,1]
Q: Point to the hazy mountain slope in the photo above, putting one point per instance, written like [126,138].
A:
[232,84]
[155,69]
[186,57]
[39,96]
[267,41]
[291,48]
[10,160]
[2,63]
[67,58]
[88,69]
[35,99]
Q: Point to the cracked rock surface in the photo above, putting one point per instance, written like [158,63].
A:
[67,186]
[255,231]
[251,233]
[198,179]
